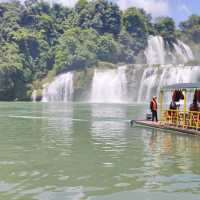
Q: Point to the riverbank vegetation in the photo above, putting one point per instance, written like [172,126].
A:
[37,39]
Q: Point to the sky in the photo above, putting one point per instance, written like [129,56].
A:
[179,10]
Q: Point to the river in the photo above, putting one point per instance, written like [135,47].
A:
[80,151]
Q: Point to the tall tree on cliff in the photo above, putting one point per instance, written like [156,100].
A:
[191,28]
[138,24]
[101,15]
[165,26]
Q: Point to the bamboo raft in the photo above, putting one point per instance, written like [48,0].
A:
[160,125]
[184,120]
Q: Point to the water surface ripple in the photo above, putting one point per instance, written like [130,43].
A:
[88,151]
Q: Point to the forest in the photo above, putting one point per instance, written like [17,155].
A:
[39,40]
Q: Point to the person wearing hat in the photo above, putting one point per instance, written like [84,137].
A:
[154,107]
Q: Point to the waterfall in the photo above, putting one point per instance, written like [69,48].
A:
[34,95]
[148,81]
[155,51]
[60,90]
[183,52]
[170,71]
[154,78]
[137,83]
[159,53]
[109,86]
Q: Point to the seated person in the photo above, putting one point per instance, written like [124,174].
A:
[172,112]
[173,105]
[194,106]
[195,117]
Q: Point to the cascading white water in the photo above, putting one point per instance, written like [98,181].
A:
[154,78]
[155,51]
[183,52]
[158,53]
[34,95]
[109,86]
[60,90]
[148,81]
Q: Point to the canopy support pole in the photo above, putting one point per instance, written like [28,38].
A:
[161,104]
[185,107]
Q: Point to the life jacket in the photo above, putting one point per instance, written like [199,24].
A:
[153,105]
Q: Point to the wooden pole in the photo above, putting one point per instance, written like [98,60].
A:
[185,107]
[161,104]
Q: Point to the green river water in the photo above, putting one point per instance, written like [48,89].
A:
[82,151]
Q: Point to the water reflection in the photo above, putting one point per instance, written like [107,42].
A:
[169,161]
[109,126]
[105,157]
[58,124]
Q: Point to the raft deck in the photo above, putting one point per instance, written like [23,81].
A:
[159,125]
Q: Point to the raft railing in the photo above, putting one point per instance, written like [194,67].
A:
[179,118]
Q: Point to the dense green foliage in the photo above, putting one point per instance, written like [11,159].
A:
[165,27]
[191,28]
[100,15]
[37,39]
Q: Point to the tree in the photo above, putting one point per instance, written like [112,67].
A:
[76,50]
[137,25]
[165,26]
[80,5]
[60,13]
[37,17]
[126,42]
[137,22]
[29,3]
[34,51]
[70,22]
[107,48]
[191,28]
[101,15]
[9,19]
[12,83]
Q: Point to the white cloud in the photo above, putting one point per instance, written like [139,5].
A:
[184,8]
[155,7]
